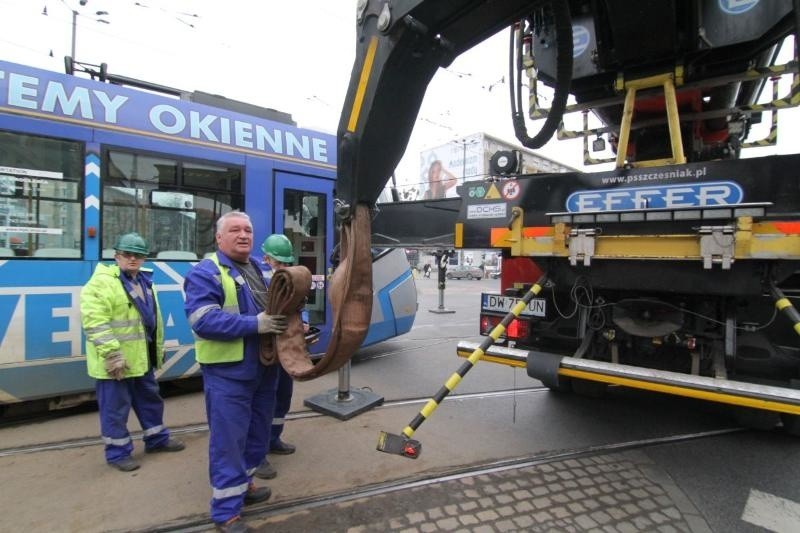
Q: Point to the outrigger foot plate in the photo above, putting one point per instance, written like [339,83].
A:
[399,445]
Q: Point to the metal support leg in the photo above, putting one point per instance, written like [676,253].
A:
[342,402]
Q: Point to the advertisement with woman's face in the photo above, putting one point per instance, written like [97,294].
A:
[439,182]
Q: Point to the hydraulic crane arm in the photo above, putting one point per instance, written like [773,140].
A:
[401,44]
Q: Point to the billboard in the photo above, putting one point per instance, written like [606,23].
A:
[444,167]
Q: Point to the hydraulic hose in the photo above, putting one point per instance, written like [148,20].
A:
[564,47]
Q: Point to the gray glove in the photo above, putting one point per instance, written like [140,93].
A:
[116,365]
[271,323]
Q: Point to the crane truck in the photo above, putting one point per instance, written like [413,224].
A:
[677,271]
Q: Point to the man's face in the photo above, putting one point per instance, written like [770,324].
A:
[129,262]
[274,264]
[235,238]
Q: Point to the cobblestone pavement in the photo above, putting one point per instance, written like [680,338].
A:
[623,492]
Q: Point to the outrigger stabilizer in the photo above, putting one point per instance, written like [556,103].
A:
[406,446]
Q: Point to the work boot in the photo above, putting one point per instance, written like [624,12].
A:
[256,494]
[281,448]
[234,525]
[172,445]
[265,470]
[128,464]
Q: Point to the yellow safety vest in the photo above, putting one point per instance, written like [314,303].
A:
[209,351]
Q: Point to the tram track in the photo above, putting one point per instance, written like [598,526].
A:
[198,524]
[296,415]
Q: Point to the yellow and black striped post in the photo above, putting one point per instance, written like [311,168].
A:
[403,444]
[785,306]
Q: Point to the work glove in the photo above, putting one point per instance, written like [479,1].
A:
[116,365]
[271,323]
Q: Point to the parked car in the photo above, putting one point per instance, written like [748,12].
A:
[464,271]
[495,274]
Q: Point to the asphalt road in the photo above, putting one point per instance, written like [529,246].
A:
[588,464]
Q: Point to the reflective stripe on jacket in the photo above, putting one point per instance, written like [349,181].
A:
[220,310]
[112,324]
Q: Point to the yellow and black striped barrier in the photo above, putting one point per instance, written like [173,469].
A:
[785,306]
[406,446]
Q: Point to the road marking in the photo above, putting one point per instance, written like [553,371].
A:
[771,512]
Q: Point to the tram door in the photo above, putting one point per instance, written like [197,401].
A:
[303,206]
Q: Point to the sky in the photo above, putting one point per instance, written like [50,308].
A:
[295,56]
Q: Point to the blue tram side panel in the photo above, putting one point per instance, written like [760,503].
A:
[82,161]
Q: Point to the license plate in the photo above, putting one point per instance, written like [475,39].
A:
[503,304]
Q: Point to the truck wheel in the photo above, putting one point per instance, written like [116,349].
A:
[564,385]
[791,424]
[757,418]
[591,389]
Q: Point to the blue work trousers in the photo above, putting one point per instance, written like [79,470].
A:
[115,400]
[283,401]
[239,416]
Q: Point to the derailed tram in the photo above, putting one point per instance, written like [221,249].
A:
[83,161]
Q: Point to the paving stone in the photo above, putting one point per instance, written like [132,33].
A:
[616,513]
[488,515]
[576,507]
[658,518]
[409,530]
[483,529]
[503,499]
[468,506]
[447,524]
[486,502]
[642,523]
[472,493]
[506,525]
[647,504]
[435,513]
[541,503]
[468,520]
[415,518]
[523,507]
[585,521]
[522,494]
[541,490]
[626,527]
[428,527]
[667,528]
[601,517]
[505,511]
[560,512]
[542,517]
[394,523]
[523,521]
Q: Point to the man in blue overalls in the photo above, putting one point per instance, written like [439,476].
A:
[124,343]
[278,253]
[225,302]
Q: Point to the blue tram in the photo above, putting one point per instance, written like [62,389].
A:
[82,161]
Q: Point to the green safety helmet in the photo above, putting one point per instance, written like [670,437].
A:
[278,247]
[131,242]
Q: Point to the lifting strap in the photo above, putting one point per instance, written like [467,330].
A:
[350,293]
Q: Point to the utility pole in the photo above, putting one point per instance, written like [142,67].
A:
[74,31]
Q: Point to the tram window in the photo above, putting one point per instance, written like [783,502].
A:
[125,168]
[40,191]
[178,221]
[211,177]
[304,223]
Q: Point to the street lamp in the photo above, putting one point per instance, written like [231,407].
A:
[464,143]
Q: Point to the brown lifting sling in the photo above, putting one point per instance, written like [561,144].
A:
[350,292]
